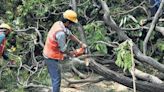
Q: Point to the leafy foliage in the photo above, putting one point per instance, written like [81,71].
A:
[124,57]
[95,32]
[160,45]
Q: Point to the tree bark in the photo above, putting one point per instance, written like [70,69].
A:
[152,26]
[147,77]
[141,86]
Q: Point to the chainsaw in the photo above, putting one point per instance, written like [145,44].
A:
[79,52]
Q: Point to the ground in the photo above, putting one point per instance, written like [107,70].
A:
[104,86]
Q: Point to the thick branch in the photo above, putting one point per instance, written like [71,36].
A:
[109,74]
[157,28]
[158,13]
[37,31]
[131,10]
[73,4]
[81,75]
[84,81]
[147,77]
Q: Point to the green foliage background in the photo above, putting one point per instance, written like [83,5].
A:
[21,14]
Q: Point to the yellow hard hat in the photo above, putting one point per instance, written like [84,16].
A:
[6,26]
[70,15]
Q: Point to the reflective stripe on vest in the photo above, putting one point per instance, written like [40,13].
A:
[51,48]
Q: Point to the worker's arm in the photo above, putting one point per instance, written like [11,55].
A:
[74,38]
[61,40]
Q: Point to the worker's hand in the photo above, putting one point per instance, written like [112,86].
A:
[72,53]
[83,45]
[66,56]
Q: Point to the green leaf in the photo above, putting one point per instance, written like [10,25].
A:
[124,59]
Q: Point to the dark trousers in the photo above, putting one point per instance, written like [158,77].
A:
[54,72]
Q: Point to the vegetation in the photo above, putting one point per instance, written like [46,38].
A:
[103,30]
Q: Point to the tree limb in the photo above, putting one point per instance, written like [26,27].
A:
[117,77]
[37,31]
[84,81]
[128,11]
[153,24]
[147,77]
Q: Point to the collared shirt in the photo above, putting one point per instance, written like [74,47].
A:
[61,37]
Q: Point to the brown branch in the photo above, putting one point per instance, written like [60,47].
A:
[157,28]
[108,44]
[81,75]
[37,31]
[80,27]
[160,29]
[131,10]
[117,77]
[18,73]
[138,73]
[85,80]
[25,83]
[34,85]
[73,4]
[152,26]
[147,77]
[1,69]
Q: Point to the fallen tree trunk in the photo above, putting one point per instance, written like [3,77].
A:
[111,75]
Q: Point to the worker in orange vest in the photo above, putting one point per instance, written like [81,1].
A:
[55,46]
[5,30]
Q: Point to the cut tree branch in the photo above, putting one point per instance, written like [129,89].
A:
[147,77]
[117,77]
[157,28]
[153,24]
[84,81]
[131,10]
[37,31]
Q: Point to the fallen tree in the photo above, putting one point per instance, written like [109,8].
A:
[111,75]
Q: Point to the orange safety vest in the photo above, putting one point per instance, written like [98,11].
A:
[51,48]
[2,47]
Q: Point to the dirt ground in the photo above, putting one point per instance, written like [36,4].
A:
[104,86]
